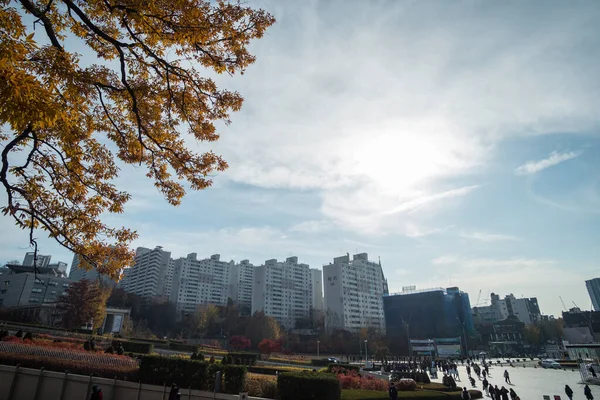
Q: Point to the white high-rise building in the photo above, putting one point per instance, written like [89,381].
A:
[148,275]
[316,287]
[198,282]
[169,279]
[354,291]
[283,290]
[241,285]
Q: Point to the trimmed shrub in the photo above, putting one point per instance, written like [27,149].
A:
[133,347]
[234,378]
[19,333]
[245,358]
[261,386]
[156,370]
[197,356]
[323,362]
[110,350]
[419,377]
[273,369]
[28,336]
[183,347]
[308,386]
[342,368]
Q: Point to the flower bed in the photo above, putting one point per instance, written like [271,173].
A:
[80,355]
[83,367]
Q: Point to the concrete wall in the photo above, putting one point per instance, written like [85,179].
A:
[24,383]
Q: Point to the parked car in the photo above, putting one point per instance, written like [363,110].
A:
[548,363]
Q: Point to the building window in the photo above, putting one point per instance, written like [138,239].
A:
[3,291]
[34,300]
[36,290]
[6,283]
[65,285]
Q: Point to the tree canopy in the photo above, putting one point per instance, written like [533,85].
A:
[66,121]
[82,302]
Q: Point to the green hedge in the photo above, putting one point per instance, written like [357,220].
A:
[308,386]
[323,362]
[193,374]
[156,370]
[419,377]
[133,347]
[183,347]
[345,367]
[245,358]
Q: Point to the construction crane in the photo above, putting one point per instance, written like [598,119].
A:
[563,303]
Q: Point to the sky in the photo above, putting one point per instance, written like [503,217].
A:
[458,142]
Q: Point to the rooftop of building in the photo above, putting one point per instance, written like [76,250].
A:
[21,269]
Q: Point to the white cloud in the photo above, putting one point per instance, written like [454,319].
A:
[311,226]
[555,158]
[388,127]
[490,263]
[415,231]
[487,237]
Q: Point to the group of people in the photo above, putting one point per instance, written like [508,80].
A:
[586,391]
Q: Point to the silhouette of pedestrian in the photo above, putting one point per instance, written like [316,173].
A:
[507,377]
[174,393]
[393,392]
[569,392]
[588,393]
[96,393]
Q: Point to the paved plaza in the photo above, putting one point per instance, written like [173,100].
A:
[532,383]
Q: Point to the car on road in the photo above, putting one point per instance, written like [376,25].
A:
[548,363]
[334,360]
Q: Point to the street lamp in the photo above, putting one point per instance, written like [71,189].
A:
[366,354]
[462,325]
[318,341]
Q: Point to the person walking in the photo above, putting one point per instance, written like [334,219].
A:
[468,370]
[497,392]
[465,395]
[503,393]
[507,377]
[393,392]
[569,392]
[96,393]
[588,393]
[174,393]
[485,384]
[492,391]
[513,394]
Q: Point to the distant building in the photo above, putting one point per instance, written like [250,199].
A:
[526,310]
[504,337]
[581,327]
[148,275]
[241,286]
[593,287]
[197,282]
[22,286]
[429,314]
[42,260]
[316,288]
[92,275]
[282,290]
[354,291]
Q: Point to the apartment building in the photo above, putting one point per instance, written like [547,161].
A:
[148,275]
[354,290]
[527,310]
[197,282]
[316,287]
[593,288]
[241,286]
[283,290]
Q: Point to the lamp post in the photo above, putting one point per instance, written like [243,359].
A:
[318,341]
[462,325]
[366,353]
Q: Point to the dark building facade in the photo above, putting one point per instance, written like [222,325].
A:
[428,314]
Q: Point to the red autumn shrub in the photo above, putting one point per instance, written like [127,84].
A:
[351,379]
